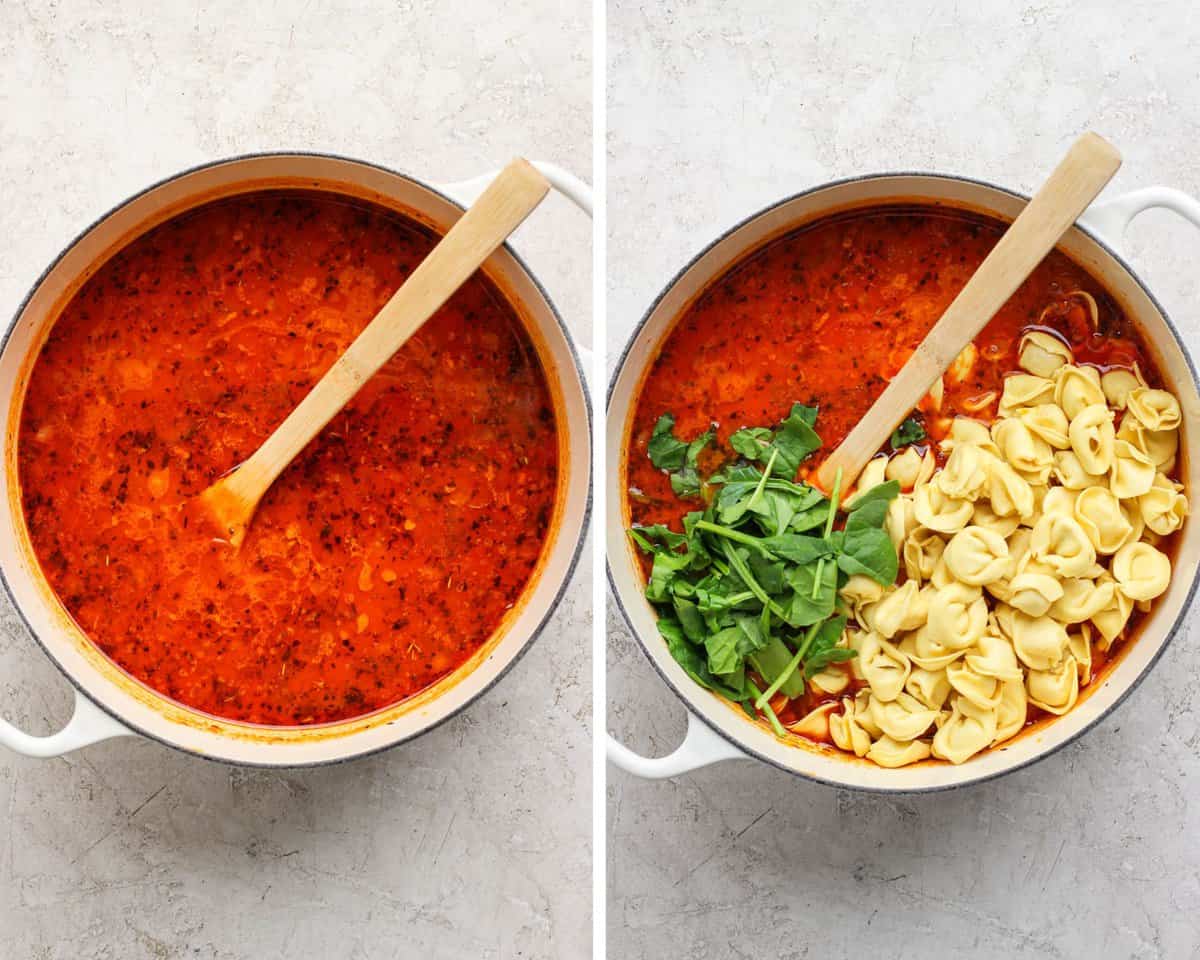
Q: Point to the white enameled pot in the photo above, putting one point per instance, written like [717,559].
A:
[108,703]
[717,730]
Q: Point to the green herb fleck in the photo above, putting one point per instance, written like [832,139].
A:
[910,431]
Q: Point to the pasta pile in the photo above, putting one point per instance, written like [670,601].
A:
[1029,548]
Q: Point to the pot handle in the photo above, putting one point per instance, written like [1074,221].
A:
[465,192]
[700,747]
[88,724]
[1110,218]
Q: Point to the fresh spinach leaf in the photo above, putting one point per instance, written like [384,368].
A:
[769,573]
[798,549]
[910,431]
[811,601]
[736,473]
[694,661]
[723,654]
[871,514]
[775,511]
[810,519]
[686,480]
[823,650]
[795,440]
[667,452]
[807,414]
[760,561]
[678,457]
[696,547]
[690,618]
[790,443]
[869,551]
[717,594]
[656,537]
[750,442]
[771,661]
[752,637]
[666,568]
[880,493]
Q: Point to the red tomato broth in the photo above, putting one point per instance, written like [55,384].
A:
[824,316]
[390,550]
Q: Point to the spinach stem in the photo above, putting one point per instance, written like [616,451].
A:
[730,534]
[743,571]
[737,598]
[833,509]
[791,668]
[766,708]
[834,502]
[762,482]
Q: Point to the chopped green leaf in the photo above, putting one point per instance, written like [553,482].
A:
[881,492]
[823,650]
[722,647]
[679,458]
[666,451]
[667,566]
[795,440]
[910,431]
[872,514]
[770,663]
[798,549]
[694,662]
[656,537]
[750,442]
[810,519]
[812,600]
[869,551]
[686,480]
[690,619]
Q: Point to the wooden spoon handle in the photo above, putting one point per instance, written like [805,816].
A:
[1075,182]
[498,211]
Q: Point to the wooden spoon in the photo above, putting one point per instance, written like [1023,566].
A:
[1074,183]
[231,501]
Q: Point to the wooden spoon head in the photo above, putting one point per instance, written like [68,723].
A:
[226,510]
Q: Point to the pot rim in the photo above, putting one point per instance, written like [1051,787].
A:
[576,549]
[643,645]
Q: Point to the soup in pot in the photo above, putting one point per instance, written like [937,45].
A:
[991,561]
[384,556]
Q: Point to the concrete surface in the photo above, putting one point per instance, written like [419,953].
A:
[471,842]
[717,109]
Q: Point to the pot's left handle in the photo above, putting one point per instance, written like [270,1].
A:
[570,186]
[700,747]
[88,724]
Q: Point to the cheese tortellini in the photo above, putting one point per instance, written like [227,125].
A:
[1023,558]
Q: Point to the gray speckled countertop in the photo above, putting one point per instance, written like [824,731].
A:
[717,109]
[474,840]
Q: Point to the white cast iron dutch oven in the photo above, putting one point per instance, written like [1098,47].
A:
[108,703]
[716,729]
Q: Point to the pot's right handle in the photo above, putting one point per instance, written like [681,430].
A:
[700,747]
[570,186]
[88,724]
[465,192]
[1110,218]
